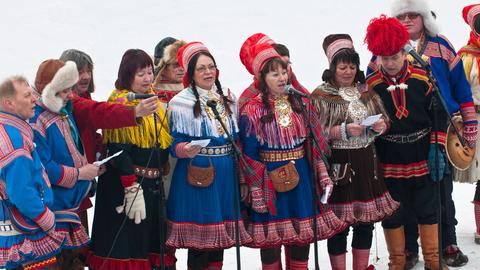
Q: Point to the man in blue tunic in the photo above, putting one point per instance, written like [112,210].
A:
[28,239]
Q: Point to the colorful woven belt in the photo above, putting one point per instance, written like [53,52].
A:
[282,155]
[221,150]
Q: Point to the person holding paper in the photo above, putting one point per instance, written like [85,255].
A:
[352,118]
[274,135]
[131,185]
[201,200]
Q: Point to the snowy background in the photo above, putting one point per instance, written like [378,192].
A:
[32,31]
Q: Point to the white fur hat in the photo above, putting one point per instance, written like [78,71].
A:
[54,76]
[419,6]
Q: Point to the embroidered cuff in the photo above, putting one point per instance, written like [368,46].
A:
[128,180]
[68,178]
[46,220]
[467,110]
[442,137]
[343,131]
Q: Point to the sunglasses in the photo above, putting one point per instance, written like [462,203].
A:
[410,15]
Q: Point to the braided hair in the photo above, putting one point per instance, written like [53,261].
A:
[197,110]
[272,65]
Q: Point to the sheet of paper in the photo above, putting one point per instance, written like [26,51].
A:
[371,120]
[324,198]
[105,160]
[202,143]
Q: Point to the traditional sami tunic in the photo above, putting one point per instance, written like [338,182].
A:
[138,245]
[267,146]
[203,217]
[364,198]
[27,223]
[448,71]
[403,150]
[62,154]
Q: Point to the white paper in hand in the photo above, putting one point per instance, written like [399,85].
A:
[371,120]
[202,143]
[105,160]
[324,198]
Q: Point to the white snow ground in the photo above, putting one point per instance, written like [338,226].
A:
[32,31]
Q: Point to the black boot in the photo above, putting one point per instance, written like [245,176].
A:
[411,259]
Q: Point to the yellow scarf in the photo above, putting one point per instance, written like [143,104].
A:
[143,134]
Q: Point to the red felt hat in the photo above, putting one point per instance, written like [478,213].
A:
[261,53]
[247,46]
[386,36]
[186,53]
[469,13]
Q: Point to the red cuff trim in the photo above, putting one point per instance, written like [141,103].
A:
[68,178]
[467,104]
[46,220]
[442,138]
[128,180]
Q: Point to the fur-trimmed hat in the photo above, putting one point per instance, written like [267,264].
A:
[169,55]
[246,50]
[421,7]
[261,53]
[469,13]
[160,48]
[386,36]
[52,77]
[332,44]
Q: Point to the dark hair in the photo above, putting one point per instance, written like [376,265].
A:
[281,49]
[272,65]
[346,55]
[82,60]
[197,110]
[476,24]
[132,60]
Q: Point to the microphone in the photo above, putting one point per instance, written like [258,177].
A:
[289,89]
[213,105]
[409,49]
[131,96]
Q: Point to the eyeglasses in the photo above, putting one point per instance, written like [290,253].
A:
[204,69]
[174,65]
[410,15]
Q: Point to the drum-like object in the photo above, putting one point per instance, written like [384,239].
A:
[460,157]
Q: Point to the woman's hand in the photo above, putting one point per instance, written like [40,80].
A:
[146,107]
[191,150]
[102,170]
[244,192]
[380,126]
[355,130]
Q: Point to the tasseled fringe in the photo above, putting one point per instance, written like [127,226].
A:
[183,121]
[333,110]
[271,133]
[142,135]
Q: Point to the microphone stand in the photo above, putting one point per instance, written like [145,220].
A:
[236,157]
[438,102]
[313,143]
[162,202]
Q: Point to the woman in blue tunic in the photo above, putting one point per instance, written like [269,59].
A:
[201,210]
[274,137]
